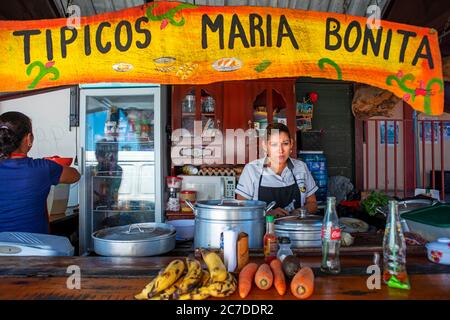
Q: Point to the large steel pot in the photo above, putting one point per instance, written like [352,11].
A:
[303,230]
[213,216]
[135,240]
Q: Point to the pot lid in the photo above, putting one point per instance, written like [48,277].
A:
[231,204]
[136,232]
[299,222]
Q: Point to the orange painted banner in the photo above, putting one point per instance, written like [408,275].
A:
[180,43]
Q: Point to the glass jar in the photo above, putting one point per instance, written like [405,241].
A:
[284,244]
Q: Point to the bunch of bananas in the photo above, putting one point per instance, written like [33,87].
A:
[194,284]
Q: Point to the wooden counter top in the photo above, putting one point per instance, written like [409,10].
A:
[120,278]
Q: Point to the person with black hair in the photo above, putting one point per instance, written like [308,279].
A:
[278,177]
[25,182]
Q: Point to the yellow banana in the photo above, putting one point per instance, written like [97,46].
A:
[216,268]
[215,289]
[163,280]
[192,278]
[196,294]
[167,294]
[205,278]
[143,295]
[222,289]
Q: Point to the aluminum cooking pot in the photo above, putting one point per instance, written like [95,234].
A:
[212,217]
[135,240]
[303,230]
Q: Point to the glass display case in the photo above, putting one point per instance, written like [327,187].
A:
[121,159]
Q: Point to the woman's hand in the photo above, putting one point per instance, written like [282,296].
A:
[278,212]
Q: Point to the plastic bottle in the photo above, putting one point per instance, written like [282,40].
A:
[394,251]
[284,250]
[331,239]
[270,240]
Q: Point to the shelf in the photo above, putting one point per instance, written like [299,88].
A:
[208,114]
[188,114]
[127,142]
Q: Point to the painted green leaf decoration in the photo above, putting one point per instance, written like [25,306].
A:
[263,65]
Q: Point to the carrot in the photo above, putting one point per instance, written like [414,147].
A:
[264,277]
[302,285]
[279,281]
[246,277]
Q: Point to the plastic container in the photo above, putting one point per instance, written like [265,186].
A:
[317,165]
[430,222]
[439,251]
[190,195]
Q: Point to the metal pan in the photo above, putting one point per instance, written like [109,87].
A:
[135,240]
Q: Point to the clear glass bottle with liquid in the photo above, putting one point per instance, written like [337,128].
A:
[331,239]
[394,250]
[284,244]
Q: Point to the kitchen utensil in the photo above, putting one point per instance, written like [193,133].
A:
[303,230]
[439,251]
[430,222]
[135,240]
[213,216]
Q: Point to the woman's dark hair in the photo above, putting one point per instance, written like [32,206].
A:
[14,126]
[277,128]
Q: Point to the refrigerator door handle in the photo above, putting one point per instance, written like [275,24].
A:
[82,155]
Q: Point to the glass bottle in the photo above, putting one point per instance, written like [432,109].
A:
[394,250]
[270,240]
[331,239]
[284,250]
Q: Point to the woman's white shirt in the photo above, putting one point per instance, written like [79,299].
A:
[248,184]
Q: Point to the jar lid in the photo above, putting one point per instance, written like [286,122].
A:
[441,244]
[284,240]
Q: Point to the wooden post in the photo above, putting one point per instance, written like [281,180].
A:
[409,170]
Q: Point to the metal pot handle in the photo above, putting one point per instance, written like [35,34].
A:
[269,207]
[136,226]
[191,206]
[228,200]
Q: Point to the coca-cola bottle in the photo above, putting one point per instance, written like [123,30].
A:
[331,239]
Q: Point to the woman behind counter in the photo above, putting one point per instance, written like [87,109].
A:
[278,177]
[25,182]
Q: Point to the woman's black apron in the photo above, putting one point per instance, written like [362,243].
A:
[283,196]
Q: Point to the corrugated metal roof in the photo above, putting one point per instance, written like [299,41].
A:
[351,7]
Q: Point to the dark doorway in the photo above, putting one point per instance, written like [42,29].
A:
[333,113]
